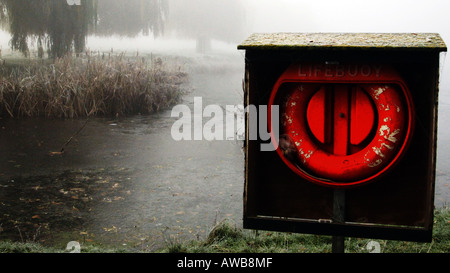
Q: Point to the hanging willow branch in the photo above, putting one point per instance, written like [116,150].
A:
[60,25]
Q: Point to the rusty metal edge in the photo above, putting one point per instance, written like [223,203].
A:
[356,230]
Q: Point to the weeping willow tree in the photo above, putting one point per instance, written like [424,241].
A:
[3,17]
[51,23]
[61,28]
[68,25]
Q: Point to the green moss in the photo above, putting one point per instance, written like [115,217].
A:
[394,41]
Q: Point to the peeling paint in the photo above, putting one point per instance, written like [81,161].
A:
[382,107]
[378,151]
[386,132]
[378,92]
[305,155]
[387,146]
[309,154]
[375,163]
[283,119]
[392,137]
[383,129]
[301,153]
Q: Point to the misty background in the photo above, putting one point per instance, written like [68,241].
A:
[228,22]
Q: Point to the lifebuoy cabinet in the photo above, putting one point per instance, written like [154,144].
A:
[346,112]
[341,125]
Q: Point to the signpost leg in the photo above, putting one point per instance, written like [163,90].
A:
[338,217]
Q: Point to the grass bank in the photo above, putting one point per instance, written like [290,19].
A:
[98,85]
[227,238]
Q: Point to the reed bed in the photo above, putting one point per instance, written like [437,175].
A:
[93,85]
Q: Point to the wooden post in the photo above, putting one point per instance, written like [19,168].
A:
[338,217]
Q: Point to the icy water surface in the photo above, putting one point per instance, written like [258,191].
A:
[121,181]
[125,181]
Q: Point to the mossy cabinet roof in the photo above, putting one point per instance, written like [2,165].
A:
[343,41]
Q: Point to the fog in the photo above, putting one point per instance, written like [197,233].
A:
[349,16]
[289,16]
[282,16]
[317,16]
[354,16]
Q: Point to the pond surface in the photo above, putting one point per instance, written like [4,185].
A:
[125,181]
[121,181]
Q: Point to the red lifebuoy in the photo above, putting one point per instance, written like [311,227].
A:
[380,142]
[379,153]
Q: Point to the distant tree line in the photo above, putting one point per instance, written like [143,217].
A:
[61,28]
[131,17]
[206,20]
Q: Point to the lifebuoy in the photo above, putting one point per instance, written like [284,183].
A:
[306,155]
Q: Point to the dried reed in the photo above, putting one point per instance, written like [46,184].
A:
[92,85]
